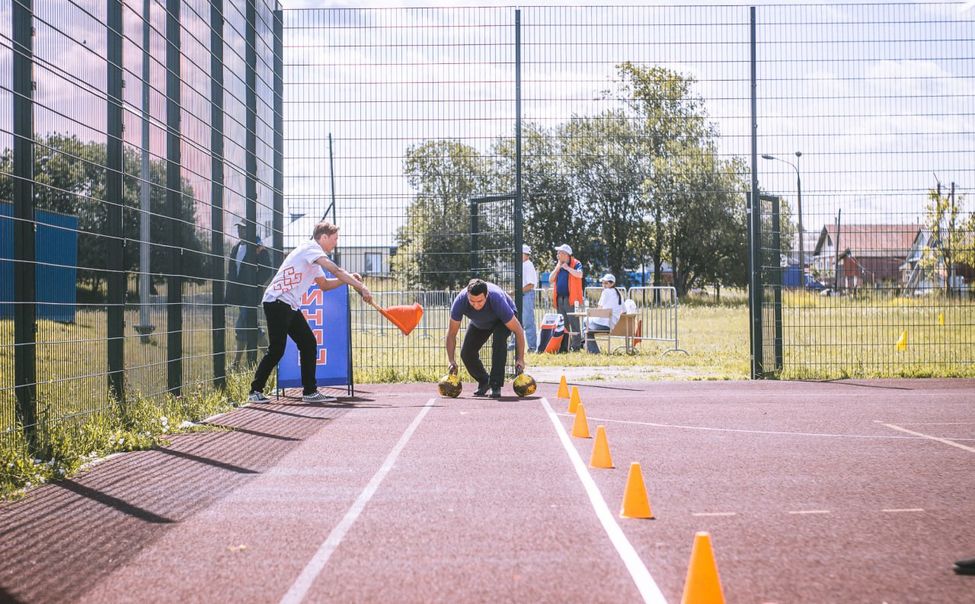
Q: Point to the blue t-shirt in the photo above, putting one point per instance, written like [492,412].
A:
[498,307]
[562,280]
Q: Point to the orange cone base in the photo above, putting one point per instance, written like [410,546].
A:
[600,457]
[574,400]
[580,428]
[703,586]
[563,392]
[404,317]
[636,504]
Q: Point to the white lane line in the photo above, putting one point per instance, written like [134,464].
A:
[774,432]
[810,512]
[714,513]
[304,581]
[928,436]
[900,510]
[638,571]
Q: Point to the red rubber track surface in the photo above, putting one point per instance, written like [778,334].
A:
[812,492]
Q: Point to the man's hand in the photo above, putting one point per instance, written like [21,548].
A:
[519,367]
[452,368]
[365,293]
[357,276]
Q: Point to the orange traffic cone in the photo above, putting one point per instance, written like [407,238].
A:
[574,400]
[563,392]
[635,501]
[703,586]
[580,428]
[600,457]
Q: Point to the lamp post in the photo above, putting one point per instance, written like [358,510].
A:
[802,245]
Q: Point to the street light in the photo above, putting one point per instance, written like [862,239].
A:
[802,245]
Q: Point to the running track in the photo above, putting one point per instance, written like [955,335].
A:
[812,492]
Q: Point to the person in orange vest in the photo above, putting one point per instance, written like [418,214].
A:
[566,282]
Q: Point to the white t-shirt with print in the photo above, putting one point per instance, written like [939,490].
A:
[296,275]
[528,274]
[611,299]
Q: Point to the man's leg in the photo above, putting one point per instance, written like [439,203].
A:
[528,319]
[304,339]
[279,316]
[240,332]
[571,323]
[470,351]
[499,355]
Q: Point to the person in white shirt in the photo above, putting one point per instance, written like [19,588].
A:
[609,298]
[282,300]
[529,280]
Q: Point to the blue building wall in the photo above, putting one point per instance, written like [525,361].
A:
[56,275]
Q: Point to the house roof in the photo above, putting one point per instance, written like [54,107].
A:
[866,240]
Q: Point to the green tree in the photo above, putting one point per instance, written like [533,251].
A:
[952,235]
[602,156]
[692,200]
[434,244]
[552,211]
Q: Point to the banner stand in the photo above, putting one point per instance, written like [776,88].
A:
[330,317]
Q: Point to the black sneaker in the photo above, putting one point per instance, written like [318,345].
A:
[495,393]
[965,567]
[482,389]
[258,397]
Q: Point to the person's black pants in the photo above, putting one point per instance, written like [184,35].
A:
[470,350]
[282,322]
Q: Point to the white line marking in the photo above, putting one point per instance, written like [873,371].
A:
[775,432]
[810,512]
[641,576]
[304,581]
[935,438]
[714,513]
[899,510]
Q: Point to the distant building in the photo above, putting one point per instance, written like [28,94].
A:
[860,255]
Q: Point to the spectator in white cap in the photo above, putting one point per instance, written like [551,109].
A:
[529,281]
[566,282]
[248,271]
[609,298]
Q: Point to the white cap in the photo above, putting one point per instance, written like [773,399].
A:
[564,248]
[608,277]
[526,249]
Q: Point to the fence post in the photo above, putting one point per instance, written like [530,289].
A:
[174,195]
[25,319]
[113,198]
[754,222]
[218,314]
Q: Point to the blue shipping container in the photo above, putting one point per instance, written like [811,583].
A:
[56,273]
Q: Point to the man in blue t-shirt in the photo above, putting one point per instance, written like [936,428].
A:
[491,312]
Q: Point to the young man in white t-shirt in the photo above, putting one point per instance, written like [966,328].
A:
[529,280]
[282,300]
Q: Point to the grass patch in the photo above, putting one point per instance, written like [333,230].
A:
[64,445]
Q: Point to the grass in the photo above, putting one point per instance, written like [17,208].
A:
[63,446]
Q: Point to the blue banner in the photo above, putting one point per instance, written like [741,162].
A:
[328,316]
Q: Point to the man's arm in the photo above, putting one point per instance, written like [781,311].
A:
[345,277]
[450,343]
[515,326]
[575,272]
[554,273]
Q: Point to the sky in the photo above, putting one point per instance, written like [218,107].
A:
[876,97]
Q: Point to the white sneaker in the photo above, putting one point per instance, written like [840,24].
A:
[258,397]
[318,397]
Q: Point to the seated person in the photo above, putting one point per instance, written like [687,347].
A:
[611,299]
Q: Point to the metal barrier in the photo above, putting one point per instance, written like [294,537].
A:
[657,309]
